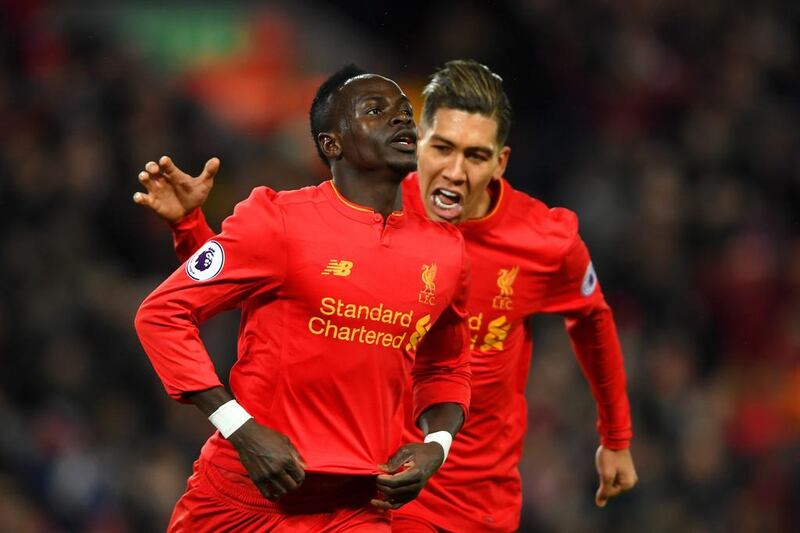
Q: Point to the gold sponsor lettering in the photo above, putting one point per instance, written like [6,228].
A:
[496,334]
[319,328]
[327,306]
[326,328]
[474,322]
[334,307]
[422,327]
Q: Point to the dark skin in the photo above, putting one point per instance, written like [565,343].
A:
[408,470]
[367,158]
[370,151]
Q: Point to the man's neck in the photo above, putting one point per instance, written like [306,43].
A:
[487,201]
[382,194]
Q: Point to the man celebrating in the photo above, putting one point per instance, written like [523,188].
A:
[331,329]
[526,259]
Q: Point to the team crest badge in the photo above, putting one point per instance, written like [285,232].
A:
[206,262]
[589,281]
[505,282]
[428,294]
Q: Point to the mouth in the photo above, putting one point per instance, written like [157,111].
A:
[405,141]
[447,204]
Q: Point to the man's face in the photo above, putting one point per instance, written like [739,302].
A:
[377,125]
[458,157]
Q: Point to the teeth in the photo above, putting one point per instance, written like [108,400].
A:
[449,194]
[442,205]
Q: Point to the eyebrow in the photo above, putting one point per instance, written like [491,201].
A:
[487,149]
[367,97]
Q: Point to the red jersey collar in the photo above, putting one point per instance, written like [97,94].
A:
[356,212]
[499,189]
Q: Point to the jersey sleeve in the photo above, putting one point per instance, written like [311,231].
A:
[441,372]
[247,259]
[575,293]
[189,233]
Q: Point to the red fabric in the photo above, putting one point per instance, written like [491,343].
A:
[479,488]
[189,233]
[218,501]
[333,302]
[408,523]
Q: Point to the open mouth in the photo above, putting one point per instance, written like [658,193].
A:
[447,204]
[405,141]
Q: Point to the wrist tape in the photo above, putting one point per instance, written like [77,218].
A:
[229,417]
[443,438]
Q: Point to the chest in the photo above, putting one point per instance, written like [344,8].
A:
[508,283]
[366,275]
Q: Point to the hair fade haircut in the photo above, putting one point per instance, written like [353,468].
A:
[321,114]
[466,85]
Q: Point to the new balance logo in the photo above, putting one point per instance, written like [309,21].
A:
[338,268]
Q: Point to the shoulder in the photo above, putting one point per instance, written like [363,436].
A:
[442,238]
[258,213]
[285,202]
[557,227]
[442,230]
[310,194]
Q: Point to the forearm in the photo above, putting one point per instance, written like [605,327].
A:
[441,373]
[170,338]
[596,344]
[442,417]
[210,400]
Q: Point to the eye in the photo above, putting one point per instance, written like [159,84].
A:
[478,157]
[374,111]
[442,148]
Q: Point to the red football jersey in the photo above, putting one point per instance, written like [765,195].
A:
[526,259]
[334,304]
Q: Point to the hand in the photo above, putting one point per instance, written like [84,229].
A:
[418,462]
[172,193]
[616,471]
[269,457]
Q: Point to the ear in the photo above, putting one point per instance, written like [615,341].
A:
[330,144]
[502,162]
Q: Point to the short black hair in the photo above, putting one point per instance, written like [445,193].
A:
[466,85]
[321,113]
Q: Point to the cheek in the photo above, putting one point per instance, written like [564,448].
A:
[479,180]
[428,166]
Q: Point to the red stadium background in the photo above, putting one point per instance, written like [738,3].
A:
[670,127]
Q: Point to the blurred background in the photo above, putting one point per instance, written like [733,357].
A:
[670,127]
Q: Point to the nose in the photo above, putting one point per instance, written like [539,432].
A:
[401,117]
[455,171]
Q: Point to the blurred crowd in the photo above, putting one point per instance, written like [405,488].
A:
[669,127]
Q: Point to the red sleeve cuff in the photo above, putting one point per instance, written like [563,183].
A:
[191,220]
[615,439]
[428,395]
[615,444]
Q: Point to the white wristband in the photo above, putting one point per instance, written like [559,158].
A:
[443,438]
[229,417]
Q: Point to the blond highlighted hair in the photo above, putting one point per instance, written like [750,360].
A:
[466,85]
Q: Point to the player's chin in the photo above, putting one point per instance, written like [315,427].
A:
[403,163]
